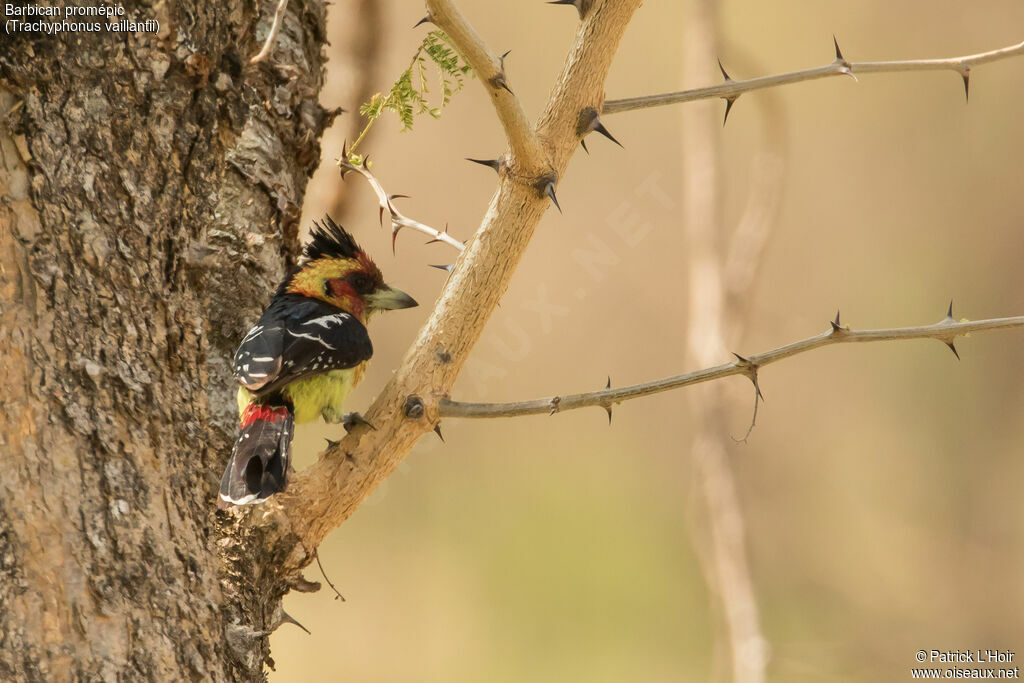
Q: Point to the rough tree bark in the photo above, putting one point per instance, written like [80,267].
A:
[151,188]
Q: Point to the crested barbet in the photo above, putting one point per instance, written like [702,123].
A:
[302,358]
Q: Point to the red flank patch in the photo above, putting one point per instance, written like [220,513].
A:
[255,412]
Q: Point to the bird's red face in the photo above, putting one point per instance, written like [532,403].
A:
[335,270]
[354,285]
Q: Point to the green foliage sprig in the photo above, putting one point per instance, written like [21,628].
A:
[409,96]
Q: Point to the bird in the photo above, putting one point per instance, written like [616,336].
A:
[303,356]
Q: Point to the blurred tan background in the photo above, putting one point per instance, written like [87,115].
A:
[881,486]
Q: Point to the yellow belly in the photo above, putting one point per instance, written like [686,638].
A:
[311,397]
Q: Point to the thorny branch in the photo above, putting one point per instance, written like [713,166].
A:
[946,331]
[730,90]
[275,28]
[386,201]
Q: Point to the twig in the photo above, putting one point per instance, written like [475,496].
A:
[398,219]
[525,146]
[337,594]
[731,89]
[364,38]
[753,419]
[275,28]
[945,331]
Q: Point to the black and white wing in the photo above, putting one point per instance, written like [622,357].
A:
[298,336]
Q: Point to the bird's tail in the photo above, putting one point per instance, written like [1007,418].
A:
[259,463]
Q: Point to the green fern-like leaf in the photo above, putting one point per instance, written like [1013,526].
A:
[408,97]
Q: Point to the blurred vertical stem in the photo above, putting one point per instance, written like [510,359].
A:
[365,33]
[721,539]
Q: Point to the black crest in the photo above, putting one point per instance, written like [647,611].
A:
[329,240]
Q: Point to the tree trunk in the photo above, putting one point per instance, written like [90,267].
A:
[151,188]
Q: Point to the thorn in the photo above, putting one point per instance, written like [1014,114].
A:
[496,164]
[549,192]
[398,196]
[949,319]
[590,121]
[343,159]
[757,387]
[424,20]
[729,101]
[288,619]
[352,420]
[966,75]
[722,69]
[751,372]
[446,269]
[583,144]
[599,128]
[498,80]
[437,430]
[331,443]
[844,66]
[394,238]
[608,406]
[578,4]
[836,327]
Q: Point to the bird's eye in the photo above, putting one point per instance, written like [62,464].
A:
[361,282]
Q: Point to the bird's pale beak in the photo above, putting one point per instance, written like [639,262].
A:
[389,299]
